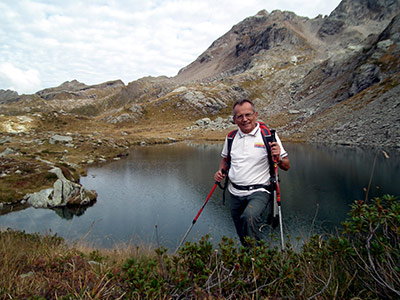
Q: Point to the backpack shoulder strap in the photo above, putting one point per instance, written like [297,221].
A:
[230,137]
[264,129]
[232,134]
[267,138]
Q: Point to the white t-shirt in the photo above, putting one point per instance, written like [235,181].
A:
[249,161]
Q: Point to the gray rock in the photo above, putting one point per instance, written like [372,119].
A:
[206,124]
[137,109]
[60,139]
[202,122]
[64,192]
[8,151]
[5,140]
[219,120]
[199,101]
[364,77]
[125,117]
[6,95]
[294,111]
[180,89]
[384,45]
[39,199]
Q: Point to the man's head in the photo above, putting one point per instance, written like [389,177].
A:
[245,115]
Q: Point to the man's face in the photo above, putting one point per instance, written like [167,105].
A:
[245,117]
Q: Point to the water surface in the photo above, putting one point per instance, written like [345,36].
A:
[164,186]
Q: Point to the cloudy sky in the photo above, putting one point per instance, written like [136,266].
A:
[44,43]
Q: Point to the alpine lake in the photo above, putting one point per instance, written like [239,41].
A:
[152,196]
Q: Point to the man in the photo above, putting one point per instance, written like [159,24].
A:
[249,173]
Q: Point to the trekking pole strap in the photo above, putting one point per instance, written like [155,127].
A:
[225,186]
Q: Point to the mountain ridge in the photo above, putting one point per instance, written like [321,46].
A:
[295,69]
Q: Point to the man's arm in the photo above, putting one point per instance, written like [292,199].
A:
[284,163]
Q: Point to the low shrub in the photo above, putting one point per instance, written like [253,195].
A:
[370,243]
[362,261]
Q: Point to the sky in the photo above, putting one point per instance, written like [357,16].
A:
[44,43]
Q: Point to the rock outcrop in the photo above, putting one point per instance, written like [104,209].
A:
[368,14]
[64,192]
[6,95]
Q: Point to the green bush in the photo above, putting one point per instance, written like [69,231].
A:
[362,261]
[370,244]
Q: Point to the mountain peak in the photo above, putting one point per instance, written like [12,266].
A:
[6,95]
[234,51]
[358,12]
[262,13]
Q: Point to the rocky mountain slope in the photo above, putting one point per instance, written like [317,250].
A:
[319,80]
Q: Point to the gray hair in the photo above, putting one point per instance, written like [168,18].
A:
[241,102]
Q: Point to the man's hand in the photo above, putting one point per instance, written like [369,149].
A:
[283,163]
[275,150]
[219,175]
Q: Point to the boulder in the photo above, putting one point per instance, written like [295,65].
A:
[8,151]
[218,124]
[60,139]
[64,192]
[202,122]
[5,140]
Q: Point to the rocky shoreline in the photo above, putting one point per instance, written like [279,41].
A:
[42,168]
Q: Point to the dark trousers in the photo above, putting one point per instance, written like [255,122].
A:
[247,214]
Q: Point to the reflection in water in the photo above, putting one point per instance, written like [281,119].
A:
[68,212]
[6,209]
[165,185]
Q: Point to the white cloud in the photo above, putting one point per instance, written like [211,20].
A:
[14,78]
[97,41]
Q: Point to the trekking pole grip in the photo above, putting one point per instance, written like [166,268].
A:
[273,135]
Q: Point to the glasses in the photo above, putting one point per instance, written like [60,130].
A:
[247,116]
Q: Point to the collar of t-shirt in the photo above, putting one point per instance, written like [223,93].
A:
[253,132]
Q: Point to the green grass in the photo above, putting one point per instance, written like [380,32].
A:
[362,261]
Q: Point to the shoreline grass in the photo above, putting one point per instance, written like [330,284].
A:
[362,261]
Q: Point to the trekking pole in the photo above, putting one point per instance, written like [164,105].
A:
[277,194]
[197,216]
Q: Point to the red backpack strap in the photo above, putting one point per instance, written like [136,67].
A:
[232,134]
[267,138]
[264,129]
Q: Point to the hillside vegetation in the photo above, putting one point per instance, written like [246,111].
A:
[361,262]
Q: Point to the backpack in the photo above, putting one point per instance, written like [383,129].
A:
[268,136]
